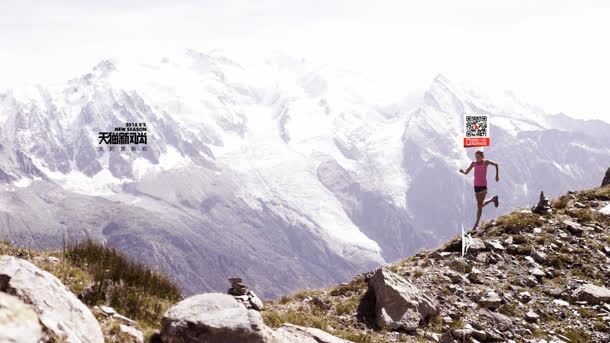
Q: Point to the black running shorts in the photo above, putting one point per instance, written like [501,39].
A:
[479,189]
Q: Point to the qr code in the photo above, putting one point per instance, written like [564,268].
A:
[476,126]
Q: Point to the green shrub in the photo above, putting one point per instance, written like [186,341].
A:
[137,291]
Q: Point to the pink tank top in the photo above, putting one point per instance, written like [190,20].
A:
[480,173]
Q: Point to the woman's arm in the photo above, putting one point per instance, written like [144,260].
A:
[467,170]
[495,164]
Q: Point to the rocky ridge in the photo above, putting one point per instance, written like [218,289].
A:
[525,277]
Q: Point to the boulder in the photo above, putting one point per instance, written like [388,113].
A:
[211,318]
[18,321]
[58,309]
[289,333]
[399,304]
[592,294]
[220,318]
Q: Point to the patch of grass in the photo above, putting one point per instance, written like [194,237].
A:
[435,324]
[577,336]
[130,288]
[517,222]
[519,239]
[561,202]
[302,316]
[559,260]
[523,249]
[302,294]
[348,306]
[509,309]
[583,215]
[586,312]
[602,193]
[417,273]
[600,325]
[356,337]
[457,324]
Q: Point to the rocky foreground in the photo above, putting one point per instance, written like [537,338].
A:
[530,276]
[526,277]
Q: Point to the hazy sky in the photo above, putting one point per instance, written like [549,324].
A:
[553,53]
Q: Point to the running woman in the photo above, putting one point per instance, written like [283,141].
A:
[480,182]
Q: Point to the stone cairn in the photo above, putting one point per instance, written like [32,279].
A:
[244,295]
[543,206]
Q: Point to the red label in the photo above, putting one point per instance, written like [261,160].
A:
[477,141]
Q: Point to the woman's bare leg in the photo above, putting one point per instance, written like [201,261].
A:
[488,201]
[480,203]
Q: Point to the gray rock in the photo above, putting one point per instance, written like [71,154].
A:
[255,301]
[59,310]
[530,281]
[476,245]
[399,304]
[525,297]
[573,227]
[475,276]
[560,302]
[531,316]
[592,294]
[212,317]
[490,300]
[455,277]
[244,295]
[18,321]
[289,333]
[579,205]
[495,245]
[498,321]
[135,335]
[537,272]
[539,256]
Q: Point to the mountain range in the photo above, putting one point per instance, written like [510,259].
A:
[285,173]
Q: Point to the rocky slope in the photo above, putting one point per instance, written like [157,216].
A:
[525,277]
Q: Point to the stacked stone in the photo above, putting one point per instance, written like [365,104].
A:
[244,295]
[543,206]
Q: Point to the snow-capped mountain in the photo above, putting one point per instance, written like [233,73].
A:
[285,173]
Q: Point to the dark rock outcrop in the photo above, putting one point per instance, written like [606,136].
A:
[606,180]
